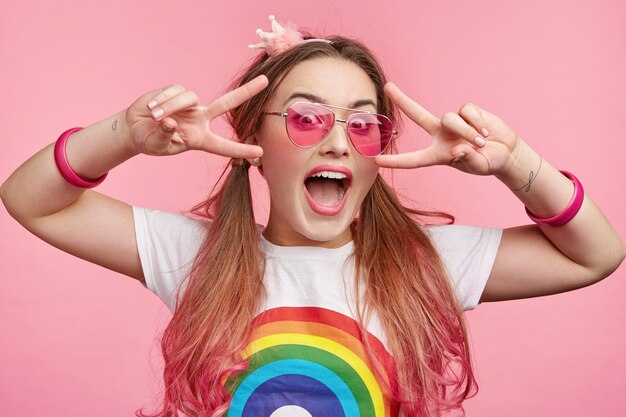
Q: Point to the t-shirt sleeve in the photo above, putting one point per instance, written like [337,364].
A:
[167,244]
[468,254]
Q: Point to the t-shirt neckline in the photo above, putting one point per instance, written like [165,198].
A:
[305,251]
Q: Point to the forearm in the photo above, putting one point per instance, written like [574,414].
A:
[588,239]
[37,189]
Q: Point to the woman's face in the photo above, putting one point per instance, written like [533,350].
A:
[303,210]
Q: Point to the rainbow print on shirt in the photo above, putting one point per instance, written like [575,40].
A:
[310,361]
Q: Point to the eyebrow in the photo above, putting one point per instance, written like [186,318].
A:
[317,99]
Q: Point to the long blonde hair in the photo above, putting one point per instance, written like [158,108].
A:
[403,277]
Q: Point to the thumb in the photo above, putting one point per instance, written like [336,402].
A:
[167,131]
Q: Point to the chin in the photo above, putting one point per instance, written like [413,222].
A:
[334,231]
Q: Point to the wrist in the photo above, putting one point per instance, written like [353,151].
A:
[522,169]
[95,150]
[544,190]
[122,136]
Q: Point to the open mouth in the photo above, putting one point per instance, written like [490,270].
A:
[326,190]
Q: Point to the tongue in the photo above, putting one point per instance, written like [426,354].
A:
[324,192]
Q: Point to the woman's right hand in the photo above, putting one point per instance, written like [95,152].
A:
[185,123]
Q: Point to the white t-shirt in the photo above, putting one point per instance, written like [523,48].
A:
[307,357]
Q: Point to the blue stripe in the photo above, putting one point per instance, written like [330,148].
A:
[297,367]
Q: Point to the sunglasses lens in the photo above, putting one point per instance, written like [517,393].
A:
[370,133]
[307,124]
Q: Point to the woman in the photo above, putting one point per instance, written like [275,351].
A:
[343,303]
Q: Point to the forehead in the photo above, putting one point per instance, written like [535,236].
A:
[334,81]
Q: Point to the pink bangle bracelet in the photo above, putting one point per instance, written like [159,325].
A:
[570,211]
[60,157]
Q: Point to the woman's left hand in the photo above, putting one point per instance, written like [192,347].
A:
[454,139]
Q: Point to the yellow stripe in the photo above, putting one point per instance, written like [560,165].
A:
[330,346]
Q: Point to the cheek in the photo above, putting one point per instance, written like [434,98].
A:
[369,171]
[279,172]
[282,166]
[274,141]
[280,155]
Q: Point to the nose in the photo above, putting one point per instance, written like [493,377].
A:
[337,142]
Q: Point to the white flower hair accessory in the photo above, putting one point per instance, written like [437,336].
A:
[280,38]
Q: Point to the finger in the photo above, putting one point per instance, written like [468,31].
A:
[229,148]
[417,113]
[166,132]
[460,151]
[236,97]
[469,159]
[454,123]
[421,158]
[165,94]
[175,104]
[169,125]
[471,114]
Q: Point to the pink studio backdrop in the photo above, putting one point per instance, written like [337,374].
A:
[80,340]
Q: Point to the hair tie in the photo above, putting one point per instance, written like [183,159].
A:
[239,162]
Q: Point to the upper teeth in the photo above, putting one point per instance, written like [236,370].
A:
[330,174]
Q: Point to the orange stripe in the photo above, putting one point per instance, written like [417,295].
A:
[317,329]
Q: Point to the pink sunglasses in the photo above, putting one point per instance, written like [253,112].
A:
[309,123]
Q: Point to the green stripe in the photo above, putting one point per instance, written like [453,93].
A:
[332,362]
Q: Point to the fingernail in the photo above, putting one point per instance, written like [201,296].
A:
[177,140]
[152,104]
[458,157]
[485,132]
[479,141]
[158,113]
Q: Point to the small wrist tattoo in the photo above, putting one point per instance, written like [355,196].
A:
[531,177]
[114,125]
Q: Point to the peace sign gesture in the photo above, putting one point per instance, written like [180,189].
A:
[456,140]
[171,120]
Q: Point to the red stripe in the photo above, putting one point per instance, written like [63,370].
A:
[331,318]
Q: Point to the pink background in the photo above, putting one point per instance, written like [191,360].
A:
[79,340]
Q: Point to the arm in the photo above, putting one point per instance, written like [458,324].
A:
[532,260]
[539,260]
[91,225]
[82,222]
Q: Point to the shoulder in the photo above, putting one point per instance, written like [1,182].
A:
[460,243]
[167,243]
[451,237]
[467,254]
[167,228]
[169,219]
[173,237]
